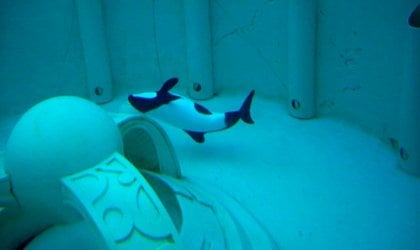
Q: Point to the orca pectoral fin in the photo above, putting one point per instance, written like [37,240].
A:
[196,136]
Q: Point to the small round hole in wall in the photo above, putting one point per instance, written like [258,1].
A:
[404,154]
[197,87]
[295,104]
[99,91]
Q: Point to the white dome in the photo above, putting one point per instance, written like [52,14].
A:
[55,138]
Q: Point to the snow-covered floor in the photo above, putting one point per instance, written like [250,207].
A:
[314,184]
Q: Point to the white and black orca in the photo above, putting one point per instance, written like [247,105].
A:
[183,113]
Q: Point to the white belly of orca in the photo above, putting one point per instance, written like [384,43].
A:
[181,113]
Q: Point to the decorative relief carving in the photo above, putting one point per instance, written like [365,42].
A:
[125,209]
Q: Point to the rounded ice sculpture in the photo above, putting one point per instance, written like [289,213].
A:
[75,190]
[55,138]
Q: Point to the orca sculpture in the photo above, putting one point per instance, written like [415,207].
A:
[183,113]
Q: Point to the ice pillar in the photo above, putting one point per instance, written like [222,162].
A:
[410,102]
[199,49]
[92,33]
[301,57]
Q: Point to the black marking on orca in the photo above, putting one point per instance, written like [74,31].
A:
[201,109]
[166,98]
[168,85]
[414,19]
[243,113]
[163,96]
[245,108]
[144,104]
[231,118]
[196,136]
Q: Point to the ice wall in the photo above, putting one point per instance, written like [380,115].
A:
[361,56]
[360,52]
[146,42]
[40,53]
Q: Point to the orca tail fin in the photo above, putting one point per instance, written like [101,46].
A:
[244,111]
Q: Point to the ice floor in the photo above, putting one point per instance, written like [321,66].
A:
[316,184]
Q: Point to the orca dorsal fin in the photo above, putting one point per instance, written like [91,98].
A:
[196,136]
[168,85]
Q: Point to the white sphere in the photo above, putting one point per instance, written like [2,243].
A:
[55,138]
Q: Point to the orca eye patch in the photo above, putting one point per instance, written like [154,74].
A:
[201,109]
